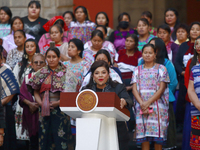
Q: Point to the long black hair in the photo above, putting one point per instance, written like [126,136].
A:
[79,44]
[144,20]
[102,26]
[191,25]
[37,3]
[24,61]
[71,14]
[84,11]
[164,27]
[55,50]
[149,45]
[135,38]
[195,57]
[106,53]
[13,20]
[95,65]
[176,14]
[120,17]
[97,33]
[177,21]
[8,12]
[58,27]
[22,32]
[161,51]
[1,52]
[107,23]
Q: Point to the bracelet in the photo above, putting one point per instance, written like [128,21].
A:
[3,134]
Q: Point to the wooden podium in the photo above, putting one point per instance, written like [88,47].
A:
[96,130]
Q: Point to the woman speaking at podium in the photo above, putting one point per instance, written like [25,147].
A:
[100,81]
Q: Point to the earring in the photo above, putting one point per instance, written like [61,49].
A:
[25,56]
[94,81]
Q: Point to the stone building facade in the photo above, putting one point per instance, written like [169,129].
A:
[51,8]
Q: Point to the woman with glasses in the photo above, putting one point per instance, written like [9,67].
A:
[30,117]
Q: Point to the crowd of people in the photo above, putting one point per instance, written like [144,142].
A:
[154,71]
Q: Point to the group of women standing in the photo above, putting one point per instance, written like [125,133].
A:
[69,53]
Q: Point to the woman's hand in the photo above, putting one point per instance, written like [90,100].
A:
[1,140]
[128,88]
[54,104]
[197,105]
[122,103]
[115,65]
[144,105]
[1,136]
[33,107]
[183,73]
[145,112]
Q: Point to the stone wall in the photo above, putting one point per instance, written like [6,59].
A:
[156,7]
[49,8]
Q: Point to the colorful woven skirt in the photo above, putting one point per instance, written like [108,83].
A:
[195,133]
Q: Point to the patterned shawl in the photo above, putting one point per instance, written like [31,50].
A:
[9,82]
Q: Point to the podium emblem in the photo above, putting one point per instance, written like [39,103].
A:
[87,101]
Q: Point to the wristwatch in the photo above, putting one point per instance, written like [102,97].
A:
[3,134]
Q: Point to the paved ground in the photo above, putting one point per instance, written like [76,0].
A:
[132,144]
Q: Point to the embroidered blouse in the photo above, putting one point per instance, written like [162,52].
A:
[14,56]
[82,31]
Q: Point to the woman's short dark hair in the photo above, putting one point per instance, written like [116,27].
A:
[37,3]
[147,14]
[135,38]
[164,27]
[79,45]
[15,18]
[195,58]
[55,50]
[102,26]
[144,20]
[8,12]
[58,27]
[71,13]
[107,23]
[106,53]
[161,51]
[22,32]
[149,45]
[95,65]
[97,33]
[120,17]
[84,11]
[183,26]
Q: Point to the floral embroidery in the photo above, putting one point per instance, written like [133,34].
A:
[45,79]
[64,145]
[61,133]
[60,74]
[14,56]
